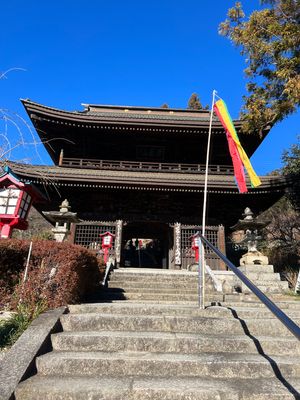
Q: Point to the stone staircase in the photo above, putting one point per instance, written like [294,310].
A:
[140,284]
[159,345]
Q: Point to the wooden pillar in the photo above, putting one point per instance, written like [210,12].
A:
[177,246]
[221,245]
[118,241]
[71,238]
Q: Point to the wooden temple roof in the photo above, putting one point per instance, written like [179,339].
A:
[140,180]
[78,131]
[101,113]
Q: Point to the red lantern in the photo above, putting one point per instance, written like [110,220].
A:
[196,243]
[15,202]
[107,241]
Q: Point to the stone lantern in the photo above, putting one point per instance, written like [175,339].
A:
[62,220]
[250,226]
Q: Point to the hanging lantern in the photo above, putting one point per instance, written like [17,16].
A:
[15,201]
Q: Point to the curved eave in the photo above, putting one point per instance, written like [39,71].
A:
[53,175]
[40,112]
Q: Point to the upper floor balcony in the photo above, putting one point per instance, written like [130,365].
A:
[143,166]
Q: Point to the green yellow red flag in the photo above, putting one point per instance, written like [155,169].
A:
[238,154]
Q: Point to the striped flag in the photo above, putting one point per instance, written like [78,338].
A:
[239,157]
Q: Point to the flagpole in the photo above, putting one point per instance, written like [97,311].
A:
[201,268]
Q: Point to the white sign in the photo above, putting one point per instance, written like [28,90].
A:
[197,242]
[106,240]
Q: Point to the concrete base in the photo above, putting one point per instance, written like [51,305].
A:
[254,258]
[60,233]
[263,277]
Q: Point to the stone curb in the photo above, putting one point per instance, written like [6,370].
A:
[19,362]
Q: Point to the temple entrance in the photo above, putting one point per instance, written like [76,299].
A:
[146,245]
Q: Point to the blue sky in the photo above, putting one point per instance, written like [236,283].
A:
[124,53]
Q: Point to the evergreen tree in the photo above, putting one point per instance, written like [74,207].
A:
[282,235]
[194,102]
[291,161]
[270,41]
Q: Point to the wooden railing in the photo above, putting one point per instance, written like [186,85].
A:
[143,166]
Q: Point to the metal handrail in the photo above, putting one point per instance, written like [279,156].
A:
[292,327]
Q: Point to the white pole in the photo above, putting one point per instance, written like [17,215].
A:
[26,271]
[201,269]
[27,262]
[207,162]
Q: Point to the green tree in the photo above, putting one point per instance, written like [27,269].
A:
[282,235]
[194,102]
[270,41]
[291,159]
[291,168]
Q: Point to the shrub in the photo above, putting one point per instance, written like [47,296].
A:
[13,254]
[58,273]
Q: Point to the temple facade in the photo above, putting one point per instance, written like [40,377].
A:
[139,173]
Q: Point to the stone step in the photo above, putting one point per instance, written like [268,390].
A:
[155,280]
[165,342]
[263,276]
[256,268]
[150,308]
[165,323]
[247,312]
[152,323]
[267,287]
[253,303]
[271,287]
[216,365]
[185,279]
[159,309]
[114,295]
[146,388]
[160,290]
[107,295]
[154,276]
[156,285]
[275,287]
[153,271]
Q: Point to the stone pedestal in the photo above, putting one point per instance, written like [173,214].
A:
[264,277]
[254,258]
[61,232]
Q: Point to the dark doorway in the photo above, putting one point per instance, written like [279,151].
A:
[146,245]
